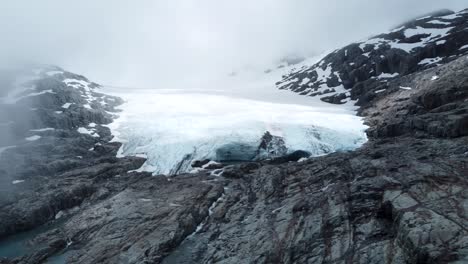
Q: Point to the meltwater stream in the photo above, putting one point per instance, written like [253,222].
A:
[174,127]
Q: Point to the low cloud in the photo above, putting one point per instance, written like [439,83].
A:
[171,44]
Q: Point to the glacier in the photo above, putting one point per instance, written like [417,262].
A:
[173,127]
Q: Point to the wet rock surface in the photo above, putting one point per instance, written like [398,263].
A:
[401,198]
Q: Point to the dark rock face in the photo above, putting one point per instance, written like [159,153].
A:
[271,147]
[199,163]
[294,156]
[401,198]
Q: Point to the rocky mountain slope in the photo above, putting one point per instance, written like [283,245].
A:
[401,198]
[346,74]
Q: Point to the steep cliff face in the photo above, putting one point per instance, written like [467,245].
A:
[401,198]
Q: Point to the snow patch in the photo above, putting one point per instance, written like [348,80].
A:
[305,81]
[59,215]
[91,132]
[42,129]
[209,164]
[450,17]
[380,91]
[432,32]
[196,170]
[431,35]
[384,75]
[33,138]
[439,22]
[17,181]
[66,105]
[422,18]
[430,61]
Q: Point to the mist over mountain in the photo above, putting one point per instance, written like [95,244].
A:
[178,44]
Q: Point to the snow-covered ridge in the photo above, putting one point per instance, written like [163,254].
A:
[25,85]
[425,42]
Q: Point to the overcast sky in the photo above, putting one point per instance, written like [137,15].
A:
[167,44]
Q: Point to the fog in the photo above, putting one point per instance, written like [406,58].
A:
[174,43]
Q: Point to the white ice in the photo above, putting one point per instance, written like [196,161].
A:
[166,125]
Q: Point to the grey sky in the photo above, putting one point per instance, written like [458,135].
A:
[167,44]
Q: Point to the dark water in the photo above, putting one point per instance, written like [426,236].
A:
[17,245]
[60,258]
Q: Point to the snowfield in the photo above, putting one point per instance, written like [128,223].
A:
[172,127]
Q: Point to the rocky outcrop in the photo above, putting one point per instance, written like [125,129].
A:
[271,146]
[401,198]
